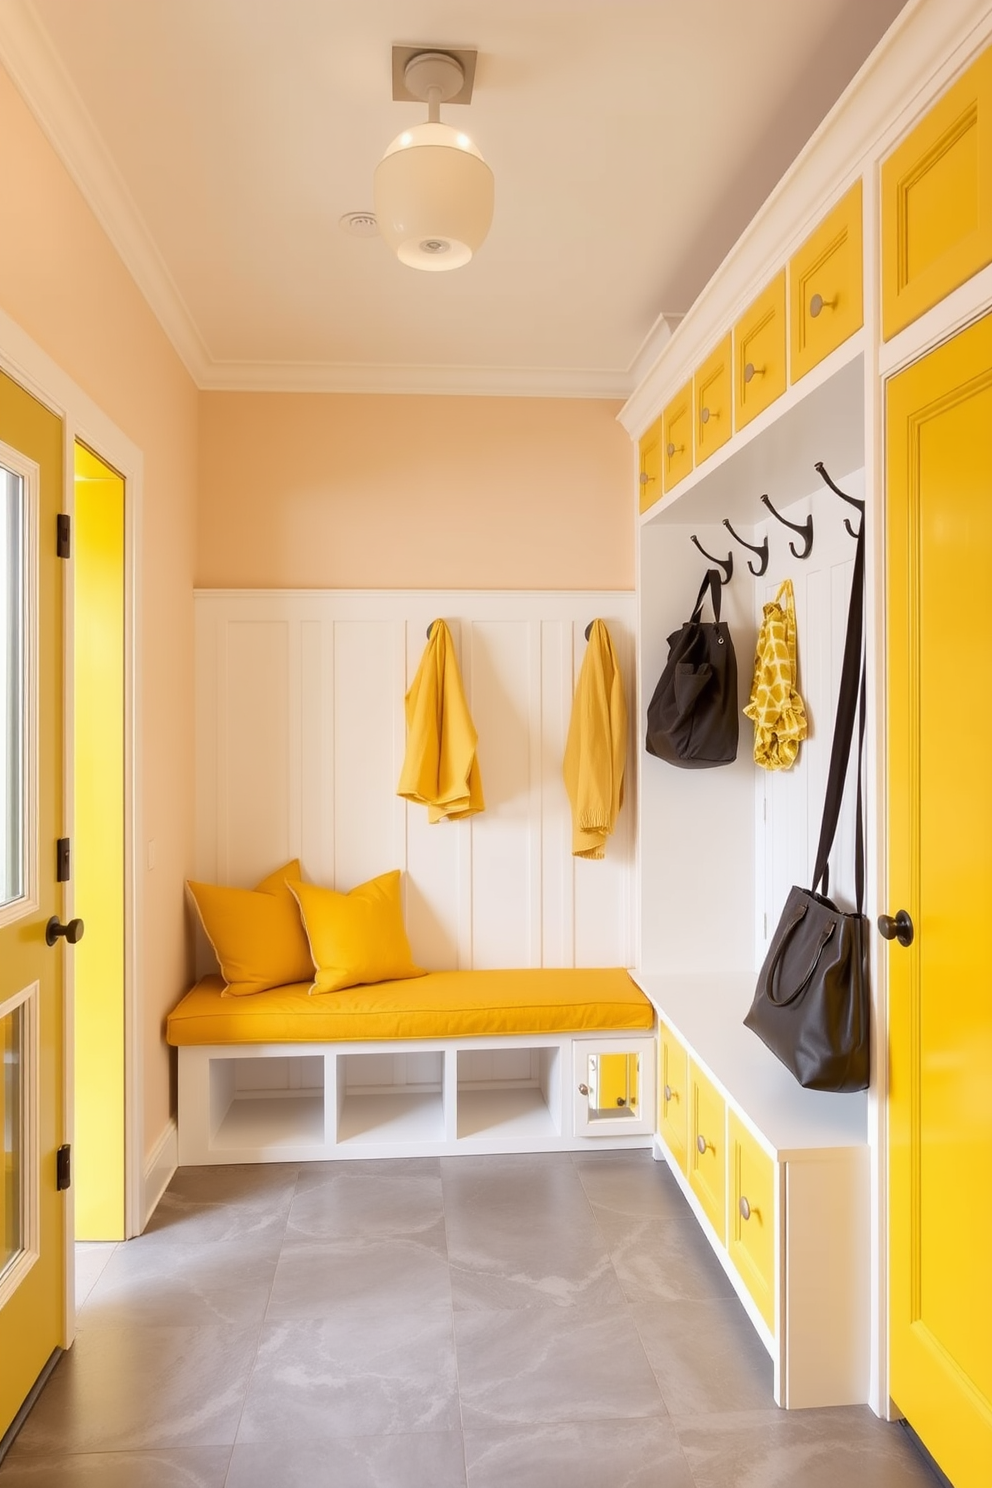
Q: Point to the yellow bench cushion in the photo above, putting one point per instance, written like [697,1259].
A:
[442,1004]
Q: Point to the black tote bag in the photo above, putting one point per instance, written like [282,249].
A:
[693,716]
[812,1001]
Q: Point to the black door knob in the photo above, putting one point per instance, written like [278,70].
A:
[72,932]
[899,928]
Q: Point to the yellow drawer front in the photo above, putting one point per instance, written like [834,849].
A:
[825,286]
[707,1153]
[649,475]
[712,398]
[677,438]
[937,201]
[759,353]
[673,1087]
[751,1222]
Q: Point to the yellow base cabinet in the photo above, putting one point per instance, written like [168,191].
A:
[752,1217]
[673,1095]
[778,1178]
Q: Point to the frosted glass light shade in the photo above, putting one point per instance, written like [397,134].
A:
[433,195]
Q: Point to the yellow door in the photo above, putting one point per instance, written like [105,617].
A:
[32,1258]
[98,848]
[939,542]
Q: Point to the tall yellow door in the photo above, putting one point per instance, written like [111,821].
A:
[939,545]
[32,1209]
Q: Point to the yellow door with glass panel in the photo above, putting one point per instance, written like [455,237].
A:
[32,1209]
[939,911]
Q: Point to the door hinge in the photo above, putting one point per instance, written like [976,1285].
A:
[63,1167]
[62,869]
[62,536]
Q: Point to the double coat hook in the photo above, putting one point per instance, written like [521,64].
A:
[805,530]
[727,564]
[761,550]
[821,471]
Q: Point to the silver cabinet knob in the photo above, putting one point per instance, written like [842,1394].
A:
[670,450]
[704,416]
[668,1092]
[645,479]
[745,1208]
[751,371]
[818,303]
[583,1089]
[701,1143]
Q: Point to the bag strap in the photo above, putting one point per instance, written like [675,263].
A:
[711,581]
[850,702]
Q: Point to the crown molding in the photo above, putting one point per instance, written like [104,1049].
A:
[891,89]
[451,381]
[40,77]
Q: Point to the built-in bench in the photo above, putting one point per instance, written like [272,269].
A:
[533,1060]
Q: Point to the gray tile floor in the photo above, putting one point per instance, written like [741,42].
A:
[500,1322]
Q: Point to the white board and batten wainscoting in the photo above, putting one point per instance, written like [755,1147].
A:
[301,735]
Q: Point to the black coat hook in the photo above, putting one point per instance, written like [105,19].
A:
[805,530]
[727,565]
[821,471]
[588,629]
[761,551]
[429,629]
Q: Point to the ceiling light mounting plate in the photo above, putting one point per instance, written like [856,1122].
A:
[407,78]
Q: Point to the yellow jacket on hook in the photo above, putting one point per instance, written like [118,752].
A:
[596,747]
[440,770]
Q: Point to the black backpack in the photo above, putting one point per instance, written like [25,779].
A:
[693,715]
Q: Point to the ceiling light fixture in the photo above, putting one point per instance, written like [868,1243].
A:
[433,191]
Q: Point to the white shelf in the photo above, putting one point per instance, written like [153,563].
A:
[512,1114]
[400,1116]
[271,1121]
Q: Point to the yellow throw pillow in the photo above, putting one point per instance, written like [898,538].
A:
[257,935]
[358,937]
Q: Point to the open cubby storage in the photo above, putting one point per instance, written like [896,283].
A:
[305,1102]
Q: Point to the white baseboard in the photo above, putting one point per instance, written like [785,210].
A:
[160,1165]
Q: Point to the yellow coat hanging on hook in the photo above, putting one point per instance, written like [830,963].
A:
[777,709]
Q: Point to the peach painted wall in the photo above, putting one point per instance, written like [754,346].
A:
[354,491]
[63,283]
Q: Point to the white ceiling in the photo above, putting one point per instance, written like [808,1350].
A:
[220,141]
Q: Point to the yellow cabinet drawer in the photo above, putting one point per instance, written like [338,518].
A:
[677,438]
[937,201]
[751,1221]
[673,1091]
[649,471]
[759,353]
[712,401]
[825,286]
[707,1155]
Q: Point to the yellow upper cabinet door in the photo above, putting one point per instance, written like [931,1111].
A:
[707,1153]
[825,286]
[673,1095]
[939,553]
[677,438]
[649,473]
[937,201]
[712,398]
[759,353]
